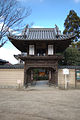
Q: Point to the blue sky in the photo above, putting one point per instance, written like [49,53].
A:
[45,13]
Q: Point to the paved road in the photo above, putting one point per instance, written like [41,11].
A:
[46,103]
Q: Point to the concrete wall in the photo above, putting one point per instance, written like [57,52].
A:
[70,78]
[9,77]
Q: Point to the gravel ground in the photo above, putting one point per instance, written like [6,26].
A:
[36,103]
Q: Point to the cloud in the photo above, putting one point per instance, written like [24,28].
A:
[35,26]
[7,54]
[76,1]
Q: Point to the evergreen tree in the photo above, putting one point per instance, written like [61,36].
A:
[72,24]
[72,56]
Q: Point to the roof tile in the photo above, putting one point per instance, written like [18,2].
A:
[41,34]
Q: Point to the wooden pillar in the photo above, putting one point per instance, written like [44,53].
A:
[25,75]
[53,77]
[49,76]
[56,77]
[56,74]
[31,76]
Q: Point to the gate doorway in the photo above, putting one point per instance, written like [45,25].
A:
[40,76]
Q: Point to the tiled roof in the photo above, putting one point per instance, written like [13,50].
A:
[21,66]
[41,34]
[17,66]
[3,61]
[69,67]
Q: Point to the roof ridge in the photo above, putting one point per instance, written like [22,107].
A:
[41,28]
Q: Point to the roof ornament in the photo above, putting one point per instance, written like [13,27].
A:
[24,32]
[58,32]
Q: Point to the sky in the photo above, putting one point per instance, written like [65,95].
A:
[45,14]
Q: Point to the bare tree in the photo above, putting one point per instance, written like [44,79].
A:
[11,14]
